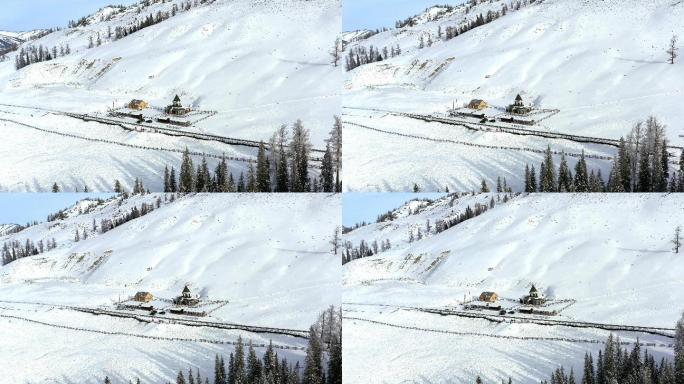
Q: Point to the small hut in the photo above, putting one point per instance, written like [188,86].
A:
[534,298]
[186,298]
[489,297]
[477,104]
[138,105]
[518,107]
[143,297]
[177,108]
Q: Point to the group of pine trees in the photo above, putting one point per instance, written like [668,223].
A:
[134,213]
[617,365]
[415,233]
[642,162]
[563,180]
[641,165]
[31,54]
[360,55]
[283,167]
[15,249]
[245,367]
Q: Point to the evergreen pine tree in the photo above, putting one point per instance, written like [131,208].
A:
[167,184]
[253,365]
[313,371]
[173,186]
[548,174]
[187,171]
[251,179]
[327,177]
[263,171]
[581,175]
[565,183]
[241,183]
[240,374]
[679,352]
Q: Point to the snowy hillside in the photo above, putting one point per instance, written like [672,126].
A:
[596,84]
[597,258]
[236,62]
[6,229]
[241,254]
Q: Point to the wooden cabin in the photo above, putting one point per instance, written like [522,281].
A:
[143,297]
[489,297]
[138,105]
[477,104]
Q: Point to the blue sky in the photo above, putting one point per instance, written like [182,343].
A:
[360,206]
[20,208]
[26,15]
[374,14]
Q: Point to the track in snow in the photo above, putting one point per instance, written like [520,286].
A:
[503,128]
[127,334]
[182,321]
[659,331]
[450,141]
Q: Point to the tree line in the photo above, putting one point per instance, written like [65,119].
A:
[415,232]
[31,54]
[617,365]
[245,367]
[641,165]
[15,249]
[283,167]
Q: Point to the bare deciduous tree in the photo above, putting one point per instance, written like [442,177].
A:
[336,52]
[677,239]
[672,50]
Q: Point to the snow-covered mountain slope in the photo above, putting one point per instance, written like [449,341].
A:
[242,59]
[262,260]
[602,64]
[6,229]
[414,217]
[607,257]
[9,39]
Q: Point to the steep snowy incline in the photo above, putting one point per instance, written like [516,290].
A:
[257,260]
[599,258]
[594,68]
[228,247]
[567,245]
[240,64]
[603,64]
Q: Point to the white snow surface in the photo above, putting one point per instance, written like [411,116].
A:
[601,63]
[243,59]
[610,253]
[268,256]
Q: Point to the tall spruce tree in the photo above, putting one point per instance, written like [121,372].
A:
[547,177]
[581,175]
[565,183]
[240,372]
[187,173]
[313,370]
[263,171]
[327,177]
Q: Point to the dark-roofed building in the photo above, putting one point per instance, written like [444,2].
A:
[177,108]
[186,298]
[518,107]
[534,298]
